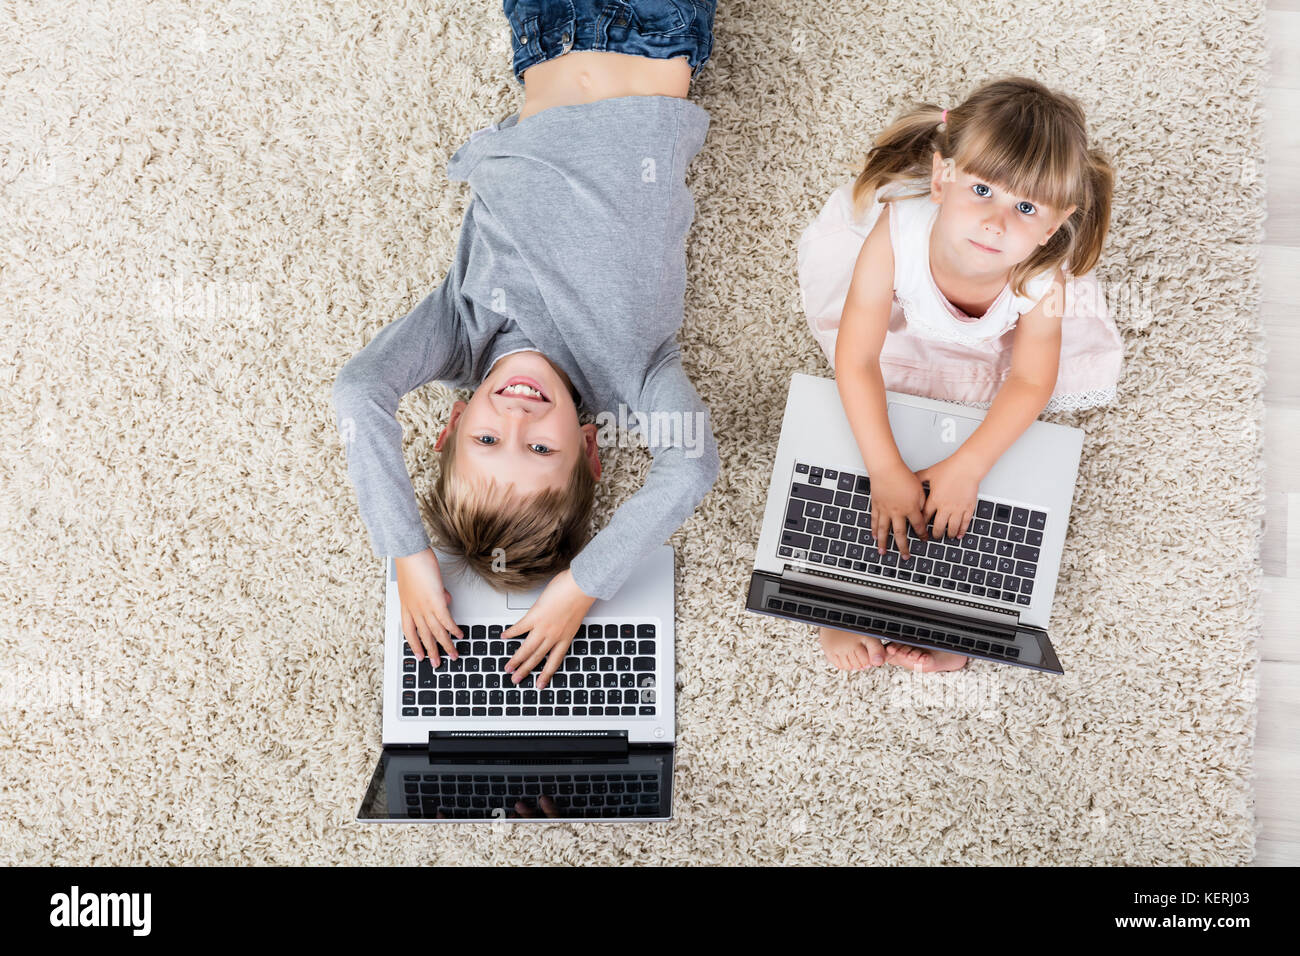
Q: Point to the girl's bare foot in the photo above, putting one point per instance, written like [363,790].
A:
[851,652]
[923,660]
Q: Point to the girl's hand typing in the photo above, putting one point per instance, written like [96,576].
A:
[896,499]
[954,489]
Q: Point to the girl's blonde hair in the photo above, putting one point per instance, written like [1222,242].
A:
[1018,135]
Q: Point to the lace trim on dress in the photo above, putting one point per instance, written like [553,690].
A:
[944,332]
[1073,402]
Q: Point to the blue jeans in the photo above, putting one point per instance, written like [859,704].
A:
[543,29]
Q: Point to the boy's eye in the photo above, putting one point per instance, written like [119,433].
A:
[978,186]
[486,439]
[1027,211]
[540,448]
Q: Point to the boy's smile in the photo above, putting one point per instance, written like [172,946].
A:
[521,427]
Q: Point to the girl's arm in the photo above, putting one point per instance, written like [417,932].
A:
[863,325]
[896,493]
[1035,359]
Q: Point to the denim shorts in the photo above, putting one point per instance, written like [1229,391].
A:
[543,29]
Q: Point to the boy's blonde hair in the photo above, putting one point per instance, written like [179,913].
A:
[514,543]
[1017,134]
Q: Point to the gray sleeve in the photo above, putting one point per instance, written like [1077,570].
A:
[684,469]
[427,343]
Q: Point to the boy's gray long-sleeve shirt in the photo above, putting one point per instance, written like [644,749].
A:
[573,244]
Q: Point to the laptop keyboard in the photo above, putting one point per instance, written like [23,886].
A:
[609,671]
[484,795]
[828,522]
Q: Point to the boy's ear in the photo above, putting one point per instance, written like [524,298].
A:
[591,450]
[456,410]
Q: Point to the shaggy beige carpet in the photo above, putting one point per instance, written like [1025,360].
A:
[209,206]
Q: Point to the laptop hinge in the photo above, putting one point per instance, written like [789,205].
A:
[529,743]
[906,600]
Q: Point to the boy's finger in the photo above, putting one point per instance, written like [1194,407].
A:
[427,639]
[900,536]
[412,638]
[532,662]
[552,665]
[521,655]
[449,625]
[519,627]
[446,640]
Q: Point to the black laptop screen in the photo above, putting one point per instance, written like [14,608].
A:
[409,786]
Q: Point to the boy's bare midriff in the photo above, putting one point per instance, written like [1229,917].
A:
[583,76]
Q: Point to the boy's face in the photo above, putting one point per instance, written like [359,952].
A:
[985,228]
[531,440]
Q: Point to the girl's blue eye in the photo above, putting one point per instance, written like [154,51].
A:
[544,449]
[1028,212]
[977,187]
[486,439]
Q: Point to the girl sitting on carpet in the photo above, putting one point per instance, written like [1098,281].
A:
[976,287]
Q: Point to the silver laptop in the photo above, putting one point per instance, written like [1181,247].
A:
[462,742]
[986,595]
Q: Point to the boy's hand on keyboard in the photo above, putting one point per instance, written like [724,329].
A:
[426,622]
[954,493]
[896,500]
[550,624]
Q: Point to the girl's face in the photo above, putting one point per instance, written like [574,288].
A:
[985,229]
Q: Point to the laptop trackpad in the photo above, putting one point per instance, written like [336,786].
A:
[925,437]
[523,600]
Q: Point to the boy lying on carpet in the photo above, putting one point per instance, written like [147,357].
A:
[959,266]
[567,290]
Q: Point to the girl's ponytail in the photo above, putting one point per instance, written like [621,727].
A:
[899,152]
[1092,221]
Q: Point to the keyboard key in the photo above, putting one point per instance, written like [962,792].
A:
[812,493]
[984,509]
[1020,516]
[1038,520]
[1025,552]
